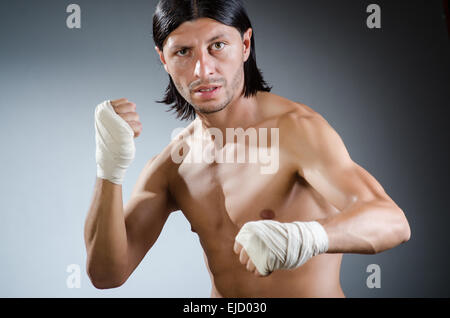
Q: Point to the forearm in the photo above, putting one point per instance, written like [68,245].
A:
[105,234]
[366,228]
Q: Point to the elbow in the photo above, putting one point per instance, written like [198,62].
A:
[398,233]
[399,229]
[407,234]
[103,280]
[106,284]
[404,231]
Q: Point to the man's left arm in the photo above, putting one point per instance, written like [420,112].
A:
[369,221]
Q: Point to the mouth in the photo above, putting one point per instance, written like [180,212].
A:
[207,91]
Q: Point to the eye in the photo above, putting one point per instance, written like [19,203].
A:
[219,45]
[181,52]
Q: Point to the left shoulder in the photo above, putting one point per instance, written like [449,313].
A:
[311,138]
[275,106]
[304,123]
[298,122]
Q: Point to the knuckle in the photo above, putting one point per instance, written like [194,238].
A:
[241,258]
[244,258]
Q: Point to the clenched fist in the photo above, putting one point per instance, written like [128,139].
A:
[127,110]
[116,126]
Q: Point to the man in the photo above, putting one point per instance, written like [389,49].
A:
[277,233]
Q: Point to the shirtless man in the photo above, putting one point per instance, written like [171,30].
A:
[316,182]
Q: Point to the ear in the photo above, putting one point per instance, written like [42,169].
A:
[247,38]
[161,57]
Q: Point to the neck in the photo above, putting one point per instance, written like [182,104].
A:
[242,112]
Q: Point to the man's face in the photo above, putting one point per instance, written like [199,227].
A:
[205,52]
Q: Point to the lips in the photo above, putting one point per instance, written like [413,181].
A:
[209,87]
[208,94]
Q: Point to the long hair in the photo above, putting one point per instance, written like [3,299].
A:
[170,14]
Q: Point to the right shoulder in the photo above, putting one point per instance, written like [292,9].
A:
[169,157]
[155,179]
[162,168]
[164,159]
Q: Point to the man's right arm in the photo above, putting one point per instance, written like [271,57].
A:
[117,238]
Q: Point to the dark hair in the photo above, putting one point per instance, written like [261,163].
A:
[170,14]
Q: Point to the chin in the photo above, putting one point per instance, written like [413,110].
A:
[210,110]
[204,109]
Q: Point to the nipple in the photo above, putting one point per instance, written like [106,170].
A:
[267,214]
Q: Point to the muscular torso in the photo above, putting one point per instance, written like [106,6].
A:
[218,198]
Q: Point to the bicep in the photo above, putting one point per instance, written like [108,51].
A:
[329,169]
[146,212]
[344,185]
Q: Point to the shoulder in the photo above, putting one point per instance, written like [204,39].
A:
[168,160]
[308,135]
[165,159]
[295,120]
[276,106]
[303,121]
[163,163]
[160,171]
[292,117]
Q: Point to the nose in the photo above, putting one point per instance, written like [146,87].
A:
[204,66]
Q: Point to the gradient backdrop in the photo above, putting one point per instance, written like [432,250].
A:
[386,92]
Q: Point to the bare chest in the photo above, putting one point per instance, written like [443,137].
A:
[218,198]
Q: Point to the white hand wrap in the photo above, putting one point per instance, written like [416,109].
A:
[114,139]
[272,245]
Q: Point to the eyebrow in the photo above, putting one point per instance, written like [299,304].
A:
[175,47]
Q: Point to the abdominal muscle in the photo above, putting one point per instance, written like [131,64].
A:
[319,277]
[218,227]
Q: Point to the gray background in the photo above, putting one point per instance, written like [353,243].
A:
[386,92]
